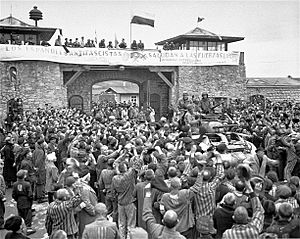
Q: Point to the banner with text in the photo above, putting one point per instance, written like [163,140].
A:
[101,56]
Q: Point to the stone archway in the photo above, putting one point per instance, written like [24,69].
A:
[149,82]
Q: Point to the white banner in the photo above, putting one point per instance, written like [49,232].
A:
[102,56]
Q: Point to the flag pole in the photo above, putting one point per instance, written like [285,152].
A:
[130,34]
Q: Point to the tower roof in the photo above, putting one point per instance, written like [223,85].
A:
[12,21]
[16,26]
[200,34]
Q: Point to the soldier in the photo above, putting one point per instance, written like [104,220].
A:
[184,102]
[206,104]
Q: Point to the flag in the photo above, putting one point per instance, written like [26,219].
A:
[116,41]
[57,33]
[200,19]
[96,40]
[143,18]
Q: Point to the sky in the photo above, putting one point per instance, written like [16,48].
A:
[271,28]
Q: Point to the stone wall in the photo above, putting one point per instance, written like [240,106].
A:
[276,93]
[227,81]
[38,83]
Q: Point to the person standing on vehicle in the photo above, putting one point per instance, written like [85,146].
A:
[205,104]
[184,102]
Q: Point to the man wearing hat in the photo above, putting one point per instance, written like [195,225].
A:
[22,194]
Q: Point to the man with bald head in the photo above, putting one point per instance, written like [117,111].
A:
[60,213]
[170,220]
[172,173]
[101,228]
[179,201]
[285,226]
[243,228]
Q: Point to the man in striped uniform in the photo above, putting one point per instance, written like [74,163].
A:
[101,228]
[205,194]
[60,213]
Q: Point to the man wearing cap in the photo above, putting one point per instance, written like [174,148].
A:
[22,194]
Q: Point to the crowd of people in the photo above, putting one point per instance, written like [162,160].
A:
[118,173]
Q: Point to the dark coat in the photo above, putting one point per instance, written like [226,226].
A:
[9,171]
[39,162]
[223,219]
[22,194]
[285,229]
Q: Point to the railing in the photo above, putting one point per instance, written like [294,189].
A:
[126,57]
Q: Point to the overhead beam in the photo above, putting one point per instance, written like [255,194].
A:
[73,78]
[165,79]
[162,68]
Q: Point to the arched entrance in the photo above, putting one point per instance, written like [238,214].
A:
[82,81]
[115,92]
[76,102]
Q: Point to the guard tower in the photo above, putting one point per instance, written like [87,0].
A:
[15,31]
[200,39]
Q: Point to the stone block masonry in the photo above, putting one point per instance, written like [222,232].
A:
[224,81]
[37,83]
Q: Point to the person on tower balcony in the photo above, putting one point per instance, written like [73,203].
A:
[140,45]
[134,45]
[123,44]
[58,41]
[102,43]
